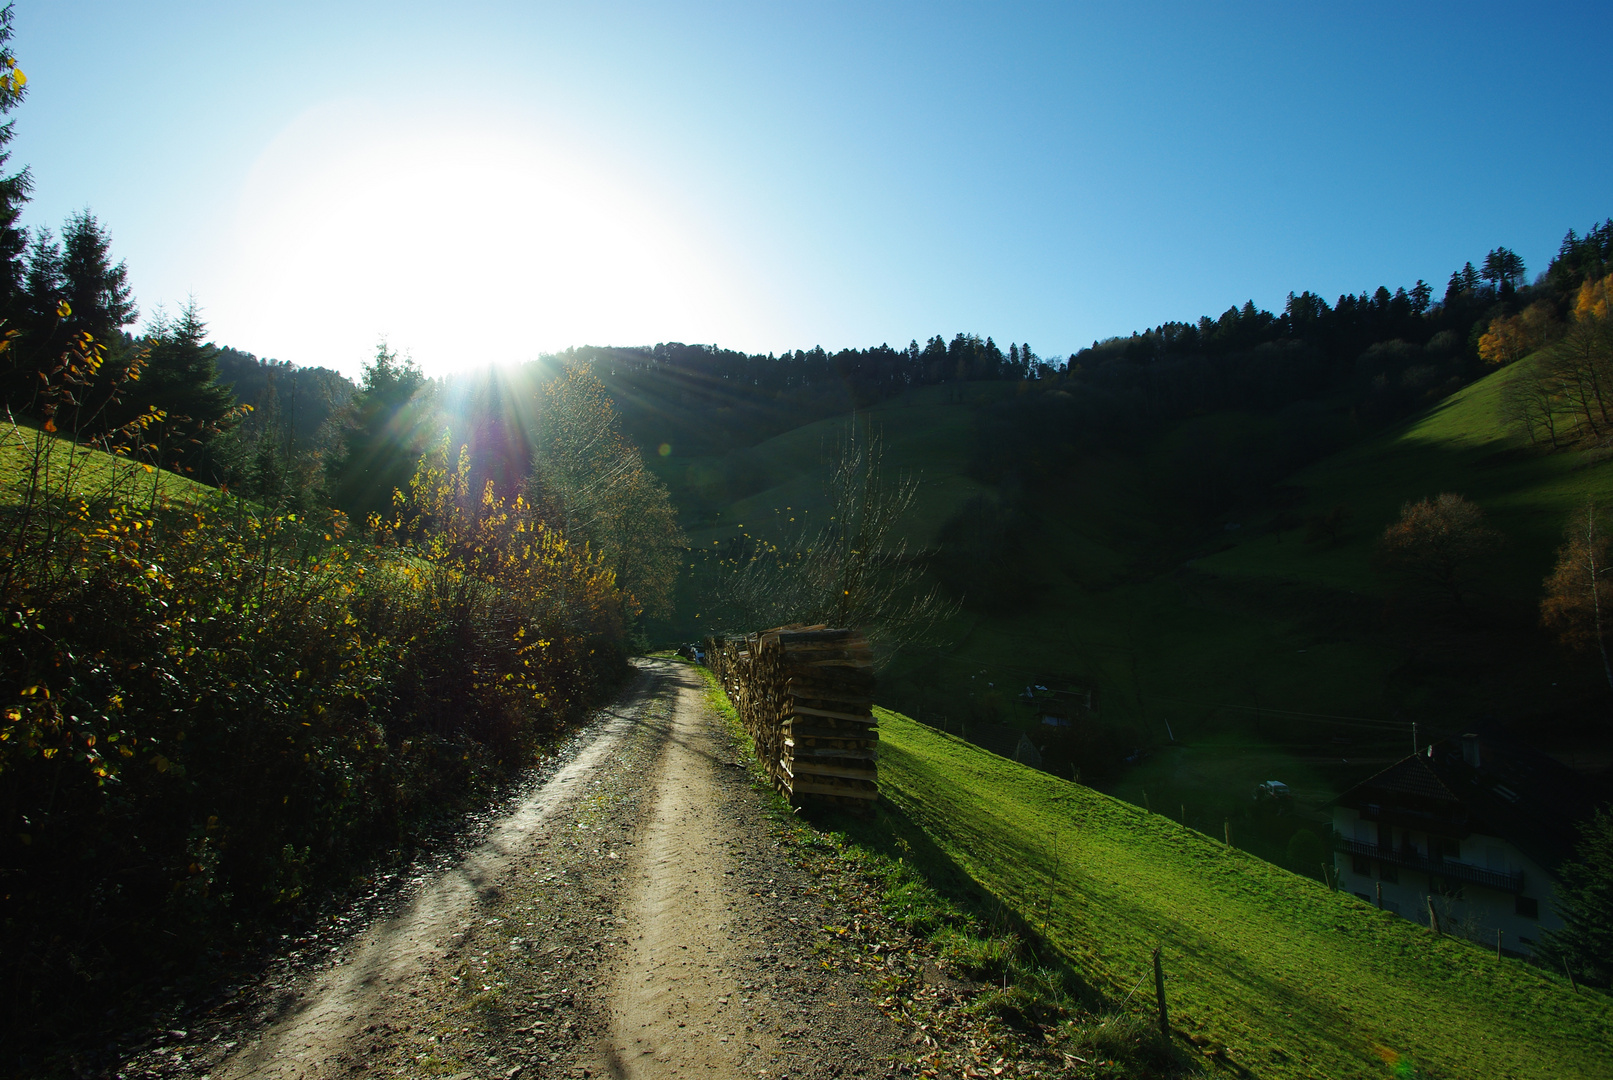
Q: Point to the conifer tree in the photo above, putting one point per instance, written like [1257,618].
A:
[102,302]
[1584,901]
[383,438]
[15,187]
[181,379]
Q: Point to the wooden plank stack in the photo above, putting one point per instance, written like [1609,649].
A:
[805,695]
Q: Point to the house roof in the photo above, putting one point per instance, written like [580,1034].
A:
[1414,775]
[1532,801]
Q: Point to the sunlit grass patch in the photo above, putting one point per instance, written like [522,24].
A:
[1270,970]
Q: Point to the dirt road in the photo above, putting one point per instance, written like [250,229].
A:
[630,917]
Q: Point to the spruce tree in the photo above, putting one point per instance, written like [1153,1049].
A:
[181,379]
[1584,901]
[383,438]
[97,290]
[15,187]
[17,378]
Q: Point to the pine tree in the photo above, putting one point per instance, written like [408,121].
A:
[14,188]
[181,379]
[1584,901]
[98,291]
[76,271]
[383,438]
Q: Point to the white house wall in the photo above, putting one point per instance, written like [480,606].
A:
[1479,912]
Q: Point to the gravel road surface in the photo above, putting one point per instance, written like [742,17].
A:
[631,915]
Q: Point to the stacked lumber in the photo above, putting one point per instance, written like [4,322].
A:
[805,695]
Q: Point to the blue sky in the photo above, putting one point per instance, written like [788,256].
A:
[484,181]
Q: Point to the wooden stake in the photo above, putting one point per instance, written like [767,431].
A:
[1572,985]
[1159,994]
[1184,814]
[1330,879]
[1433,916]
[1227,829]
[1498,943]
[1149,806]
[1380,896]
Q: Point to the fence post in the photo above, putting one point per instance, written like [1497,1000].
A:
[1227,830]
[1498,943]
[1380,896]
[1159,994]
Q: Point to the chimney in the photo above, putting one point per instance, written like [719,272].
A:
[1470,750]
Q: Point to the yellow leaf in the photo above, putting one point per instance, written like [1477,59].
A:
[63,309]
[50,425]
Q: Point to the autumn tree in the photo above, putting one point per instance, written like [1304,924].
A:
[1512,337]
[1567,391]
[589,476]
[1435,545]
[1578,598]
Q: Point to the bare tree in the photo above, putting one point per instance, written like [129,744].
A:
[854,570]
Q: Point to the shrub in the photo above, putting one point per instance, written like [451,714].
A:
[222,709]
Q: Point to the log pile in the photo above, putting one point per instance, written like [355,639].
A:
[805,695]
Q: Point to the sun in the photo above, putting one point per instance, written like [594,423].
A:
[460,240]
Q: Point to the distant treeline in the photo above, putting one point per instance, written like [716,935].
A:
[1385,353]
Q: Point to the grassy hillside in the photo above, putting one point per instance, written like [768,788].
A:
[1294,980]
[1264,654]
[84,472]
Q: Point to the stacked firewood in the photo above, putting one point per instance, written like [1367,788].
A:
[805,694]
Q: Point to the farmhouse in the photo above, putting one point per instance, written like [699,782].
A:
[1472,828]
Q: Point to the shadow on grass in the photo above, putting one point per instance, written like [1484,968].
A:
[930,894]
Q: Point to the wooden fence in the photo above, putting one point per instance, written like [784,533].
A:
[805,695]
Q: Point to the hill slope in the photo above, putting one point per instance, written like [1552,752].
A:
[1235,646]
[1294,980]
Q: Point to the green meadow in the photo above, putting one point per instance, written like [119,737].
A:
[1293,980]
[68,469]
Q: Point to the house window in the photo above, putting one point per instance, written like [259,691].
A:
[1361,865]
[1528,907]
[1388,873]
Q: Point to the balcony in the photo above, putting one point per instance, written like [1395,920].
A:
[1457,871]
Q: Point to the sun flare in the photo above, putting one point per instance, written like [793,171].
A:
[461,243]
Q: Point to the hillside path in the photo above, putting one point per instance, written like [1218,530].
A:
[632,915]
